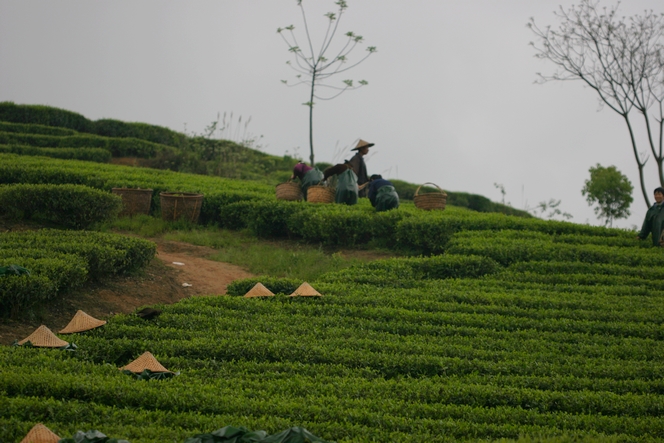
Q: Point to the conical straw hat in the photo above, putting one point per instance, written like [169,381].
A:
[82,322]
[305,290]
[43,338]
[40,434]
[145,361]
[258,291]
[362,144]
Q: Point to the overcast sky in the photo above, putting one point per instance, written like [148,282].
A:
[451,96]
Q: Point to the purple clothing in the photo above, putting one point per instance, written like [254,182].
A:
[300,169]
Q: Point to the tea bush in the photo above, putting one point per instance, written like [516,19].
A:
[71,206]
[118,147]
[62,260]
[98,155]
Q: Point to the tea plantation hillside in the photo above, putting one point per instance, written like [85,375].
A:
[530,333]
[58,133]
[487,327]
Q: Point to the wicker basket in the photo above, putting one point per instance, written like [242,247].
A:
[432,200]
[134,201]
[320,194]
[181,205]
[289,191]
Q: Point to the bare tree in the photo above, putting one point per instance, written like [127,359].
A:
[621,59]
[314,67]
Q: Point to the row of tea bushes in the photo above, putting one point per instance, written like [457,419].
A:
[69,206]
[118,147]
[47,116]
[97,155]
[218,191]
[509,246]
[239,204]
[460,359]
[62,260]
[27,128]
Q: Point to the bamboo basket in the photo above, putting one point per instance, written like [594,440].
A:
[432,200]
[181,205]
[134,200]
[289,190]
[320,194]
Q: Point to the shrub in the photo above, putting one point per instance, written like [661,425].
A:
[270,218]
[118,147]
[18,292]
[72,206]
[276,285]
[98,155]
[43,115]
[34,129]
[143,131]
[408,272]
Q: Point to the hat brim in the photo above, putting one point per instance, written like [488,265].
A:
[363,146]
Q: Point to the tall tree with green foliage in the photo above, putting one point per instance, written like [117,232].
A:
[313,67]
[611,191]
[622,60]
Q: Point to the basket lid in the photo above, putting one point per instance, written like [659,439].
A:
[305,290]
[145,361]
[40,434]
[258,291]
[82,322]
[44,338]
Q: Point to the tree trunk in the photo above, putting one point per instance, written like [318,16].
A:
[638,160]
[311,119]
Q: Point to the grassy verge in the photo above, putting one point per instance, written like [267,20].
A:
[278,259]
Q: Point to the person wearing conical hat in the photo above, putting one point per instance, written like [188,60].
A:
[358,165]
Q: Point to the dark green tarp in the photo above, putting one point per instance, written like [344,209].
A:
[346,188]
[311,178]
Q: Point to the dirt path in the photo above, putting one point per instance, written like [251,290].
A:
[160,283]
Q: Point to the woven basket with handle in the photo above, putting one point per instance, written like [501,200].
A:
[320,194]
[289,190]
[431,200]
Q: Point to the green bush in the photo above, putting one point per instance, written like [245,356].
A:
[409,272]
[43,115]
[332,224]
[34,129]
[276,285]
[72,206]
[105,254]
[19,292]
[118,147]
[152,133]
[65,271]
[49,277]
[98,155]
[534,246]
[429,233]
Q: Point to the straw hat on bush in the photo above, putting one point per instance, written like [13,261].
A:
[82,322]
[40,434]
[43,338]
[259,291]
[145,361]
[305,290]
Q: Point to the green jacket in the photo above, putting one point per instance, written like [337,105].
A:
[653,223]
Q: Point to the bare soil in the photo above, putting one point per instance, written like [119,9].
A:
[160,283]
